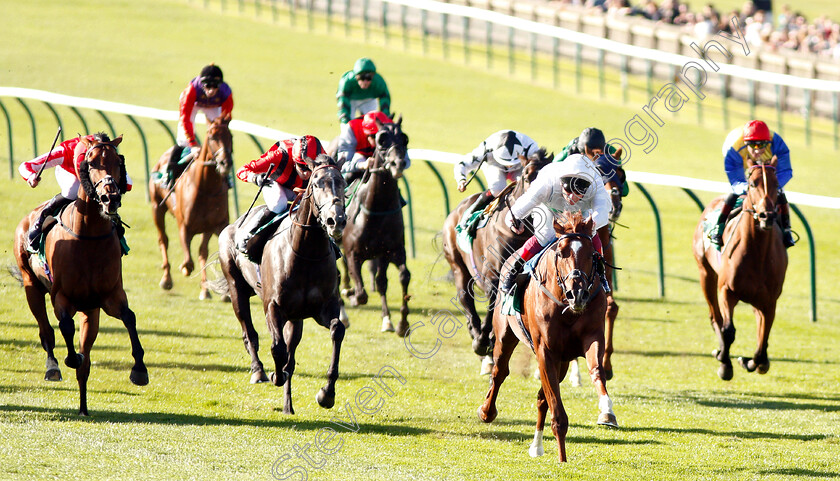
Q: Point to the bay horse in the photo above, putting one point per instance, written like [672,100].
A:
[750,267]
[492,245]
[297,278]
[562,318]
[81,267]
[375,230]
[199,202]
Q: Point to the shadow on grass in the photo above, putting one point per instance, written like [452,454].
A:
[177,419]
[809,473]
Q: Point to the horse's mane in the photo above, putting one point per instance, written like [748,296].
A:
[570,222]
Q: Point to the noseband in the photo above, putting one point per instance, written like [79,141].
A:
[308,193]
[106,181]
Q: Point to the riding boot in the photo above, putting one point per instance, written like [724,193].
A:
[509,279]
[716,235]
[52,208]
[171,166]
[483,201]
[246,233]
[601,270]
[784,220]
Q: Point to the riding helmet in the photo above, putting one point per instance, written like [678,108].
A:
[213,72]
[364,64]
[306,147]
[369,126]
[756,130]
[592,138]
[509,149]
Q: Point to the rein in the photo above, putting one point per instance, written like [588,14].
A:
[763,168]
[86,237]
[575,273]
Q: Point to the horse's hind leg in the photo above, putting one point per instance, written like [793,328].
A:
[550,380]
[292,332]
[188,265]
[358,297]
[466,298]
[88,330]
[379,278]
[139,374]
[536,448]
[159,216]
[760,361]
[612,308]
[204,292]
[275,318]
[594,354]
[38,305]
[405,279]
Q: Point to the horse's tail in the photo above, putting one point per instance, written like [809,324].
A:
[437,245]
[219,284]
[14,271]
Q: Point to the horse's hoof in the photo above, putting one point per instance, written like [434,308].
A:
[386,324]
[139,377]
[403,328]
[73,362]
[204,295]
[487,417]
[278,380]
[346,292]
[225,298]
[608,374]
[258,377]
[536,451]
[607,419]
[166,284]
[53,375]
[725,372]
[762,368]
[326,401]
[186,272]
[482,348]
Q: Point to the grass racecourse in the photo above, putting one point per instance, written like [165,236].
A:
[200,419]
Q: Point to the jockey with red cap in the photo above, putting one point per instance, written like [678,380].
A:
[66,159]
[358,141]
[207,93]
[281,170]
[746,145]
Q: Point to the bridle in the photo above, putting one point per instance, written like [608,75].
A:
[590,281]
[752,209]
[307,193]
[221,154]
[383,154]
[108,179]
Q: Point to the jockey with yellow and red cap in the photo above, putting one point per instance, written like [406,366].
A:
[746,145]
[281,170]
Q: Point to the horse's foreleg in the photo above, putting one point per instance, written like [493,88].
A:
[292,332]
[550,382]
[88,330]
[760,361]
[139,374]
[405,279]
[203,251]
[275,318]
[726,301]
[188,265]
[594,354]
[484,341]
[159,215]
[503,350]
[609,325]
[467,301]
[65,314]
[38,305]
[379,278]
[326,396]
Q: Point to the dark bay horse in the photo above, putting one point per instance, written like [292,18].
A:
[199,202]
[82,268]
[562,319]
[750,267]
[493,244]
[375,229]
[297,278]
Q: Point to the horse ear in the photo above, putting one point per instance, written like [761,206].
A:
[398,120]
[618,153]
[774,161]
[226,119]
[117,141]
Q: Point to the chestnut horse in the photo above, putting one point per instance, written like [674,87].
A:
[750,267]
[375,230]
[297,278]
[81,267]
[492,245]
[199,202]
[562,319]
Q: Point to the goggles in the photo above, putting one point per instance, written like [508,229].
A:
[575,185]
[365,76]
[757,144]
[210,83]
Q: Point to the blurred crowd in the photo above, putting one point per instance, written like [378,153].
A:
[786,31]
